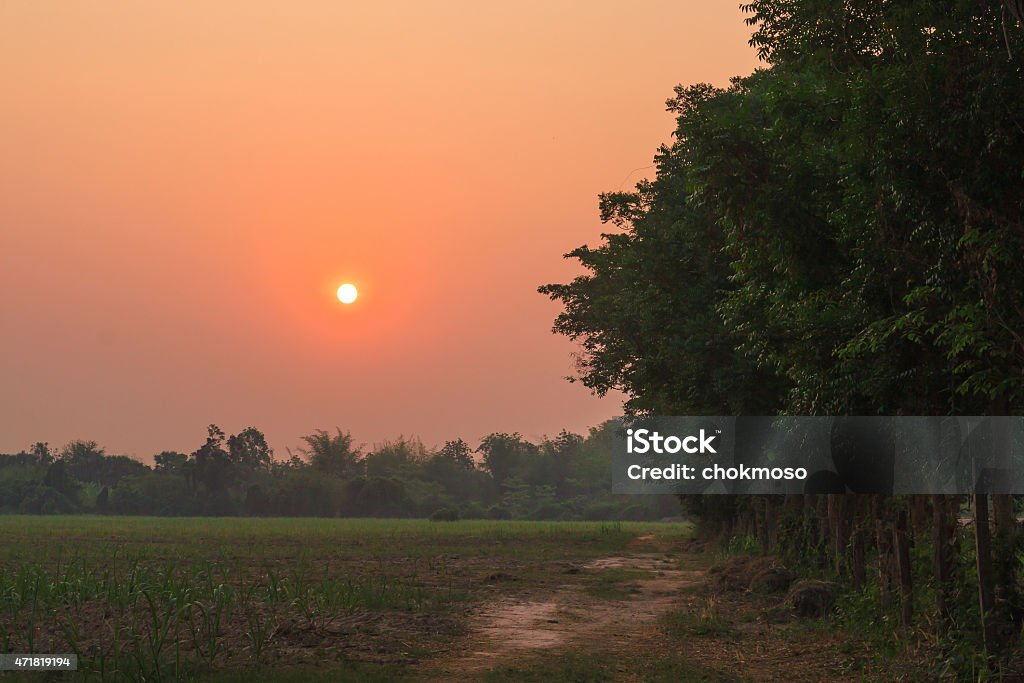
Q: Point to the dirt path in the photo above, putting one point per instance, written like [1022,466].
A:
[610,609]
[569,616]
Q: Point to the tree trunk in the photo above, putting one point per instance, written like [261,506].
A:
[919,516]
[901,540]
[839,524]
[860,518]
[771,521]
[942,533]
[823,530]
[983,547]
[811,519]
[761,522]
[883,543]
[1004,542]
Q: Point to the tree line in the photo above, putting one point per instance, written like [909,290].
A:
[839,233]
[504,477]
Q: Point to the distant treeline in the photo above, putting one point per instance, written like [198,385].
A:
[504,477]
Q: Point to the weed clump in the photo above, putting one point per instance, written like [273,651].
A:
[812,598]
[746,573]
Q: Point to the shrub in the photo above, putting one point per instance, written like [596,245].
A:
[473,510]
[498,512]
[445,515]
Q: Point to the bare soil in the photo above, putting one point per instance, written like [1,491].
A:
[748,640]
[569,618]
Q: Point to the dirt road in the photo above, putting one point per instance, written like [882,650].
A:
[657,604]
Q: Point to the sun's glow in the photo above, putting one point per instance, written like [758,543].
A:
[347,293]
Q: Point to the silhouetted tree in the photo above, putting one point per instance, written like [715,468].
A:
[330,453]
[249,451]
[503,454]
[58,478]
[170,462]
[83,459]
[212,466]
[458,453]
[40,451]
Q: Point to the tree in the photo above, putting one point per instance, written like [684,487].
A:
[395,458]
[170,462]
[555,459]
[383,497]
[40,451]
[249,451]
[83,459]
[647,312]
[211,463]
[59,478]
[453,468]
[503,454]
[331,453]
[845,226]
[113,468]
[458,453]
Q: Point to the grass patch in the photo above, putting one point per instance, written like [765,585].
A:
[615,583]
[353,672]
[705,621]
[49,538]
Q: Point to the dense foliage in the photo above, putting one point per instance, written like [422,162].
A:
[839,233]
[506,477]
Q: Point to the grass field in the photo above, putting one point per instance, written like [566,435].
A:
[160,599]
[232,600]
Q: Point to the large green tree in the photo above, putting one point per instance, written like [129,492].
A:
[840,232]
[646,312]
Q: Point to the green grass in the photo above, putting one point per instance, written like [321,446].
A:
[45,538]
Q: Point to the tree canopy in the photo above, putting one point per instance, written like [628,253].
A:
[839,232]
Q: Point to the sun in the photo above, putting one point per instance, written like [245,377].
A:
[347,293]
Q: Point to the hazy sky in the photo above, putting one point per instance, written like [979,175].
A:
[184,185]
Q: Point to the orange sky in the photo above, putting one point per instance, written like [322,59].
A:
[184,185]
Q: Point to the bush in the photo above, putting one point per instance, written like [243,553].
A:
[811,598]
[384,497]
[445,515]
[498,512]
[551,511]
[601,511]
[44,500]
[633,513]
[472,511]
